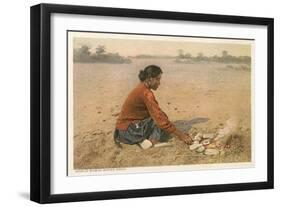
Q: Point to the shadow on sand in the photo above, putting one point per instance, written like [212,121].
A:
[186,125]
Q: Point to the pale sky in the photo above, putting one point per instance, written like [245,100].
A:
[131,45]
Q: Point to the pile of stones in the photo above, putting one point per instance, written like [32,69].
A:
[214,143]
[206,144]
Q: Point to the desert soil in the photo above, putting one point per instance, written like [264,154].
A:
[196,97]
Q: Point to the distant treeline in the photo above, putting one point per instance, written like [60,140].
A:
[153,56]
[224,58]
[188,58]
[84,55]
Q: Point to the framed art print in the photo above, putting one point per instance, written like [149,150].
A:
[132,103]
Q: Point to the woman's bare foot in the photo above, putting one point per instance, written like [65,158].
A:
[146,144]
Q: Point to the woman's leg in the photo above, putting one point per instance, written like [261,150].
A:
[138,132]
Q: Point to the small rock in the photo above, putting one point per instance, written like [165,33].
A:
[200,149]
[194,146]
[206,142]
[208,136]
[211,152]
[198,137]
[196,142]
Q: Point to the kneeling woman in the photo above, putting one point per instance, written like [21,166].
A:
[141,119]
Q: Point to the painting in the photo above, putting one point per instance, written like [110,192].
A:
[130,103]
[202,103]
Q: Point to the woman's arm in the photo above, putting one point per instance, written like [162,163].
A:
[162,119]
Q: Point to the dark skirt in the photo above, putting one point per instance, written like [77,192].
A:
[137,132]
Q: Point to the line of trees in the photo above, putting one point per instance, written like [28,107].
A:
[224,58]
[84,55]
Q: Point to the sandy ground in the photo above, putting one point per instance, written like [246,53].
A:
[196,97]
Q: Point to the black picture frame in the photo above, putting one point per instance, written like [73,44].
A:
[40,177]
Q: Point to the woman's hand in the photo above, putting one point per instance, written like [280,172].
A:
[183,137]
[186,138]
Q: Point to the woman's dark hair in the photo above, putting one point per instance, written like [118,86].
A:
[150,71]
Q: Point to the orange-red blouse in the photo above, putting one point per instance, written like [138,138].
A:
[141,104]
